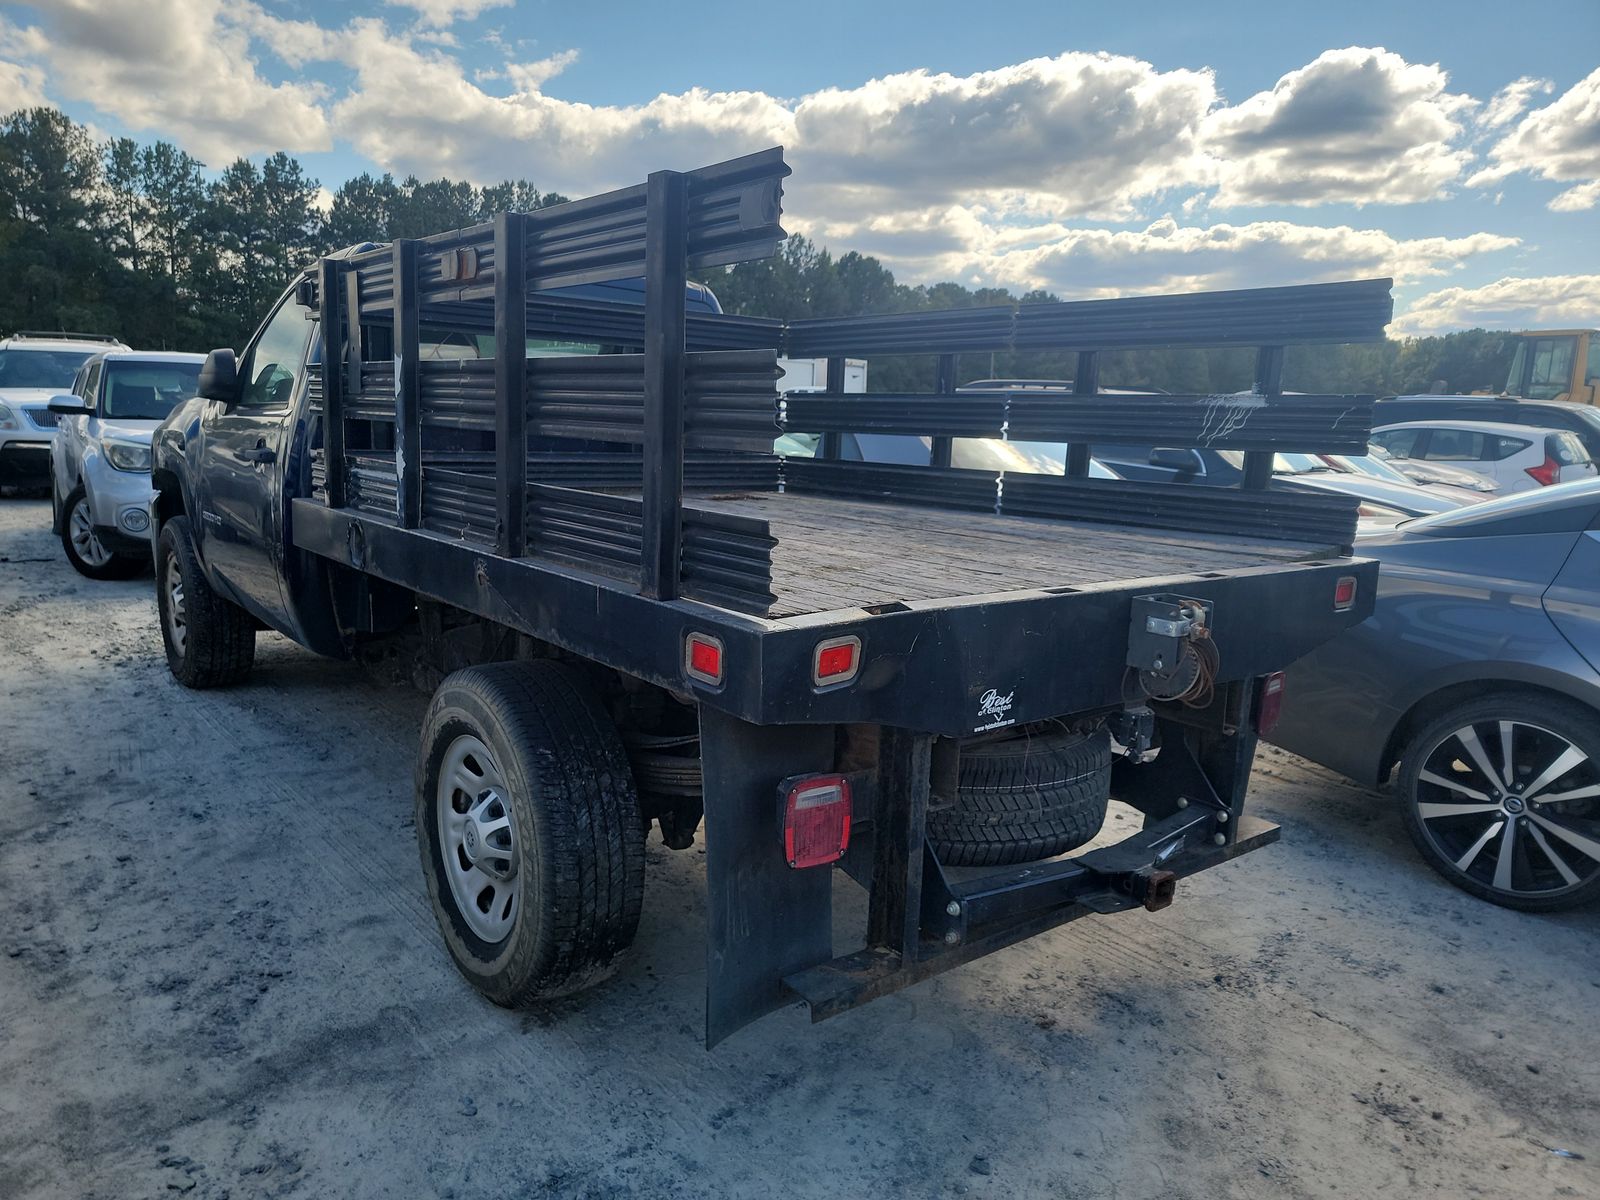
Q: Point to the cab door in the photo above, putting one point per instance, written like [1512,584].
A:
[242,452]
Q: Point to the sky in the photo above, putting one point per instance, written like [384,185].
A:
[1091,149]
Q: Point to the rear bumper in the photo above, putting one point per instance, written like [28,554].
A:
[997,911]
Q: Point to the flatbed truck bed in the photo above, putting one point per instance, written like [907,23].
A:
[638,615]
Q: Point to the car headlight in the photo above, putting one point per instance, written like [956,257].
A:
[128,456]
[8,419]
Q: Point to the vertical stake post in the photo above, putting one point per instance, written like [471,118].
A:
[407,385]
[510,383]
[1085,382]
[944,385]
[832,443]
[333,380]
[1269,383]
[666,242]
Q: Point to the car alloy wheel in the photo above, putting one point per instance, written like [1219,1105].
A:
[177,614]
[1514,806]
[85,542]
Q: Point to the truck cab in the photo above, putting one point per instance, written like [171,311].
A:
[1556,364]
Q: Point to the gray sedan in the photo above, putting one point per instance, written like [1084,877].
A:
[1478,676]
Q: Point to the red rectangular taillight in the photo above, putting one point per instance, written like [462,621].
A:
[702,658]
[1270,707]
[1344,593]
[816,820]
[836,661]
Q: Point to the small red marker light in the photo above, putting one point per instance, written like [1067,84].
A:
[1344,593]
[702,658]
[1270,706]
[837,661]
[816,820]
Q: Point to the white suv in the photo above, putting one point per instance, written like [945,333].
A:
[33,368]
[100,460]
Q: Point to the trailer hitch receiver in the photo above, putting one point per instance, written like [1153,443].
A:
[1152,888]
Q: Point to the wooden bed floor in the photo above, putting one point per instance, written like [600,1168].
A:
[834,553]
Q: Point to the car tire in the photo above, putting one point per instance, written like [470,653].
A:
[1486,830]
[75,524]
[210,642]
[525,757]
[1023,798]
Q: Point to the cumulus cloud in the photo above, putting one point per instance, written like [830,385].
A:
[441,13]
[1551,301]
[1560,142]
[1363,126]
[984,177]
[177,68]
[21,80]
[1163,256]
[1511,101]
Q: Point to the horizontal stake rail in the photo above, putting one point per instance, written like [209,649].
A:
[1237,421]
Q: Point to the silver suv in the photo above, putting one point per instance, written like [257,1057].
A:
[100,459]
[33,368]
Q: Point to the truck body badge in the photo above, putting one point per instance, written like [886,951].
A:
[993,709]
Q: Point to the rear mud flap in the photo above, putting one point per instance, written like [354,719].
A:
[763,920]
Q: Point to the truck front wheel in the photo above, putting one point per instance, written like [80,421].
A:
[210,641]
[529,829]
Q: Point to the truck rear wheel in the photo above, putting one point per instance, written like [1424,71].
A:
[1024,798]
[210,641]
[529,829]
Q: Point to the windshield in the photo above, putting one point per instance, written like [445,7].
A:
[1368,464]
[1282,464]
[40,368]
[147,391]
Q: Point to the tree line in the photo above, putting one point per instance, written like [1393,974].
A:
[144,242]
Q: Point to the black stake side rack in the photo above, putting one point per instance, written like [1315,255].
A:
[693,403]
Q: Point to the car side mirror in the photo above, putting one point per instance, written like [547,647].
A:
[1173,459]
[219,378]
[69,406]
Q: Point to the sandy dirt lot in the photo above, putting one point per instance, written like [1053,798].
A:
[219,977]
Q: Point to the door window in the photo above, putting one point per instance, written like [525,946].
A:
[1454,445]
[1502,448]
[1550,372]
[90,378]
[1398,442]
[274,362]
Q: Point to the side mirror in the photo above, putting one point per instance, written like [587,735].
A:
[219,378]
[1186,462]
[69,406]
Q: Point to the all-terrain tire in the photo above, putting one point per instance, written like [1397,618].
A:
[211,642]
[577,831]
[1440,840]
[1024,798]
[117,566]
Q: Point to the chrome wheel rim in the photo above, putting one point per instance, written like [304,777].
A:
[177,614]
[1513,806]
[85,543]
[478,839]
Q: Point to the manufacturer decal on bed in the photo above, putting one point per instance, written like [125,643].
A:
[992,708]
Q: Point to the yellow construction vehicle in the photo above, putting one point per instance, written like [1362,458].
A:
[1556,364]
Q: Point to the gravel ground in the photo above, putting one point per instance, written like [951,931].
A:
[219,977]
